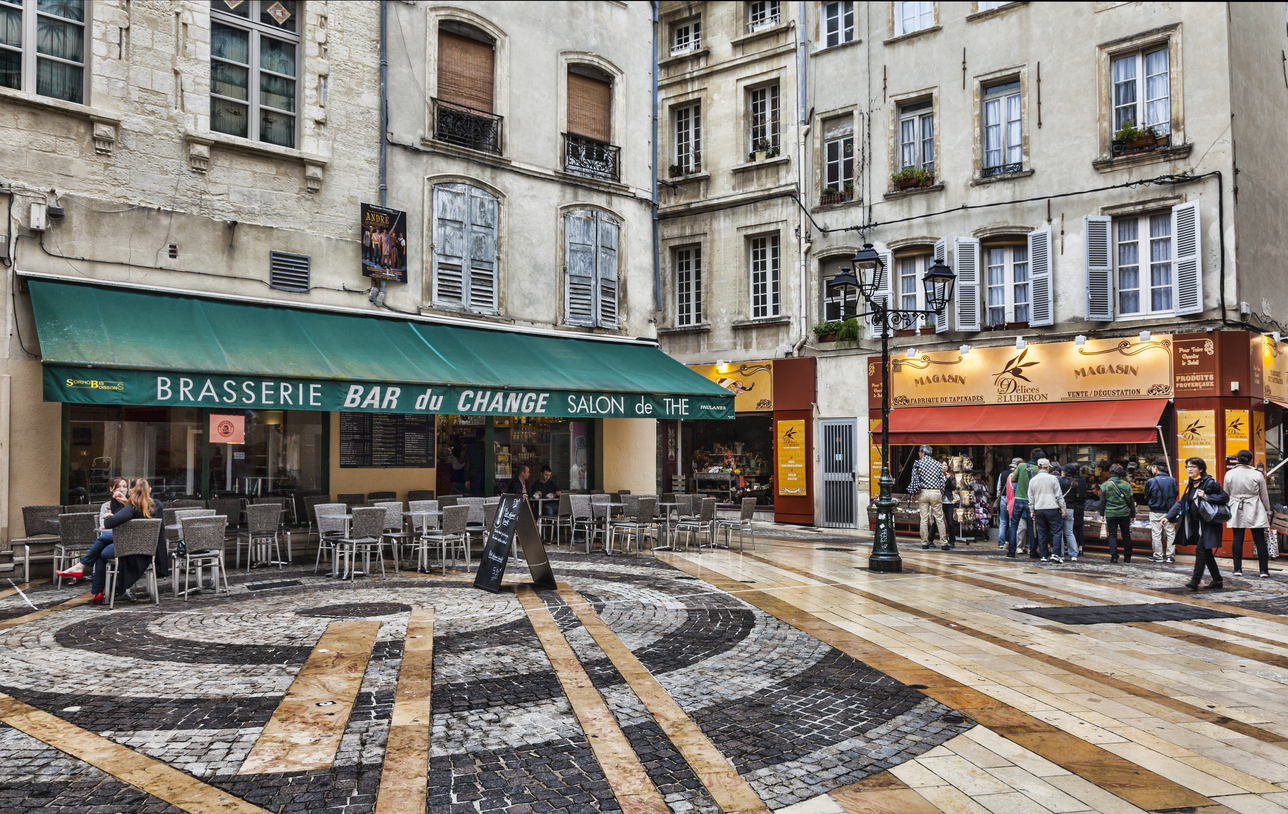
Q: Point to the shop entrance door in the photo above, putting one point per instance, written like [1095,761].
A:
[840,491]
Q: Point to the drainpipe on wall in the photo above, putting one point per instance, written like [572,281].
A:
[378,291]
[657,255]
[802,245]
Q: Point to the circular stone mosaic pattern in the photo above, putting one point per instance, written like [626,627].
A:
[357,610]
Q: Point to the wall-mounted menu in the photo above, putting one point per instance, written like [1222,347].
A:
[384,441]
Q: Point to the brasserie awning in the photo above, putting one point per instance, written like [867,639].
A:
[1081,422]
[111,345]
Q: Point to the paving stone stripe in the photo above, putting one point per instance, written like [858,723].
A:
[74,602]
[631,785]
[152,776]
[406,758]
[5,593]
[302,734]
[1207,715]
[721,780]
[1131,782]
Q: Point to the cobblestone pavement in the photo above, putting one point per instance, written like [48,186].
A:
[192,684]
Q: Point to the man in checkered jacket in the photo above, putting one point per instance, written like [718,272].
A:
[929,474]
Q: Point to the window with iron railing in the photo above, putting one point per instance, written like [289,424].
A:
[762,14]
[466,127]
[594,159]
[686,37]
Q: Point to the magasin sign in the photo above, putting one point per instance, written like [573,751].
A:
[152,388]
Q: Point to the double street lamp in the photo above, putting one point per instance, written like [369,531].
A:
[871,281]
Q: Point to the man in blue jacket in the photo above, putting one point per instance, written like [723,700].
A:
[1161,493]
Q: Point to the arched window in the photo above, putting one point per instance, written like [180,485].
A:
[463,106]
[465,248]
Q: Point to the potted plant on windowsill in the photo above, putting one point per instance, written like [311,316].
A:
[1132,139]
[848,190]
[911,177]
[837,330]
[676,170]
[760,150]
[830,197]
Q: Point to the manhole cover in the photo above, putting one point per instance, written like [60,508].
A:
[1125,614]
[268,586]
[356,610]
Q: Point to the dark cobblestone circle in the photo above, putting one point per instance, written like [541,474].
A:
[356,610]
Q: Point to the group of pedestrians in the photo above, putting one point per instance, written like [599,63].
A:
[1040,508]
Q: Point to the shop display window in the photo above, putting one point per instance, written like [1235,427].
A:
[162,444]
[463,456]
[731,459]
[282,453]
[1275,439]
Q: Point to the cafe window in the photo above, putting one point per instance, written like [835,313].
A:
[282,453]
[254,69]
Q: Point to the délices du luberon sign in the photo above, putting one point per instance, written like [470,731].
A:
[142,388]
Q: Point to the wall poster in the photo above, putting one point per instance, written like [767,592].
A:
[874,455]
[1238,432]
[790,435]
[1259,437]
[1196,438]
[384,243]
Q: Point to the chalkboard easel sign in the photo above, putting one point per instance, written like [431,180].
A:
[513,517]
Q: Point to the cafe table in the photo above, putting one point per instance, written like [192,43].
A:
[665,529]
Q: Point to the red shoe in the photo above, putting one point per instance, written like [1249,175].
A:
[97,600]
[74,576]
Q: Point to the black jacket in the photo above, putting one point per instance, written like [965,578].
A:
[1192,530]
[1161,492]
[128,513]
[1075,491]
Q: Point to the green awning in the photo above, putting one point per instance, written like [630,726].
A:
[109,345]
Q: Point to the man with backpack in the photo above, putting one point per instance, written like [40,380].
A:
[1020,506]
[1161,493]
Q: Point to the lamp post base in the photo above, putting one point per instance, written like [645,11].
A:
[885,554]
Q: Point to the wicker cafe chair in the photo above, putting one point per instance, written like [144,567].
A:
[330,523]
[695,527]
[353,500]
[76,533]
[450,535]
[230,507]
[263,524]
[636,527]
[203,542]
[420,494]
[310,502]
[553,524]
[394,534]
[741,524]
[582,520]
[133,539]
[363,540]
[381,496]
[186,503]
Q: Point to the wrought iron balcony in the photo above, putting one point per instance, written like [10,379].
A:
[466,127]
[594,159]
[1001,169]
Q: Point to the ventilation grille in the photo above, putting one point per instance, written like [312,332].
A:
[288,272]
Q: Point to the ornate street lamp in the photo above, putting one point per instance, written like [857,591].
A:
[938,286]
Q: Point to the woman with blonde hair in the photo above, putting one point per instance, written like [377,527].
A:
[141,505]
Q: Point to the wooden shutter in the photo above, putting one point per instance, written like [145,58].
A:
[451,243]
[465,69]
[1099,264]
[606,270]
[941,255]
[967,294]
[579,271]
[1187,243]
[884,292]
[590,103]
[483,231]
[1041,295]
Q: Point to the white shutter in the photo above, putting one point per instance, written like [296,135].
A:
[483,223]
[1042,296]
[606,271]
[579,271]
[885,292]
[941,256]
[966,267]
[1099,263]
[1187,245]
[451,230]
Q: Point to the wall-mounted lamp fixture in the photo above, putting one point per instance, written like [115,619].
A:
[1080,340]
[722,366]
[911,353]
[1020,344]
[1144,336]
[1274,335]
[964,349]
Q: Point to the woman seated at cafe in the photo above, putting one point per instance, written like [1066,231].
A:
[140,505]
[119,489]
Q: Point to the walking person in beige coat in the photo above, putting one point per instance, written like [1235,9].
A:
[929,479]
[1249,509]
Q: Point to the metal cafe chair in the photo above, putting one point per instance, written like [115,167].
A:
[76,533]
[203,549]
[742,524]
[133,539]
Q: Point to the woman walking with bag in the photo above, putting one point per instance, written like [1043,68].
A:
[1198,516]
[1120,508]
[1249,509]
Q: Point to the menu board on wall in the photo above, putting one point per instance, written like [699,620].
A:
[1196,437]
[386,441]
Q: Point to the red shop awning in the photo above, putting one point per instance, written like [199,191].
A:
[1084,422]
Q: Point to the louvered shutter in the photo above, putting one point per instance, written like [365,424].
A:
[940,256]
[1041,282]
[579,272]
[606,271]
[483,223]
[1188,250]
[884,292]
[1098,261]
[451,243]
[966,295]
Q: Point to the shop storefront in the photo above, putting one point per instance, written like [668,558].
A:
[1093,403]
[209,396]
[765,452]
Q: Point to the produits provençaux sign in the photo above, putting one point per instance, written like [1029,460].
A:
[147,388]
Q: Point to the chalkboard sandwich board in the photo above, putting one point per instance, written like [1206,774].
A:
[513,517]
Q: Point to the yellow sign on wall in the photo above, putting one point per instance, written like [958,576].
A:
[1099,369]
[1274,363]
[1196,437]
[874,455]
[1259,437]
[752,383]
[790,435]
[1238,431]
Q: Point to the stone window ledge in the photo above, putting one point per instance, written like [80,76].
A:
[912,35]
[994,12]
[827,49]
[701,328]
[673,181]
[768,162]
[680,59]
[981,180]
[1109,164]
[783,25]
[199,145]
[760,322]
[904,193]
[105,125]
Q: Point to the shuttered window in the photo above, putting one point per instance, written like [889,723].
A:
[590,102]
[590,273]
[465,71]
[465,248]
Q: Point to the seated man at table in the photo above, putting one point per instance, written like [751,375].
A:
[518,485]
[546,487]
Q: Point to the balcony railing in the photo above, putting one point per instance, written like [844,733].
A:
[763,24]
[1001,169]
[686,48]
[466,127]
[591,158]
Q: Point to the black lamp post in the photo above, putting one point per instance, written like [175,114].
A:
[938,285]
